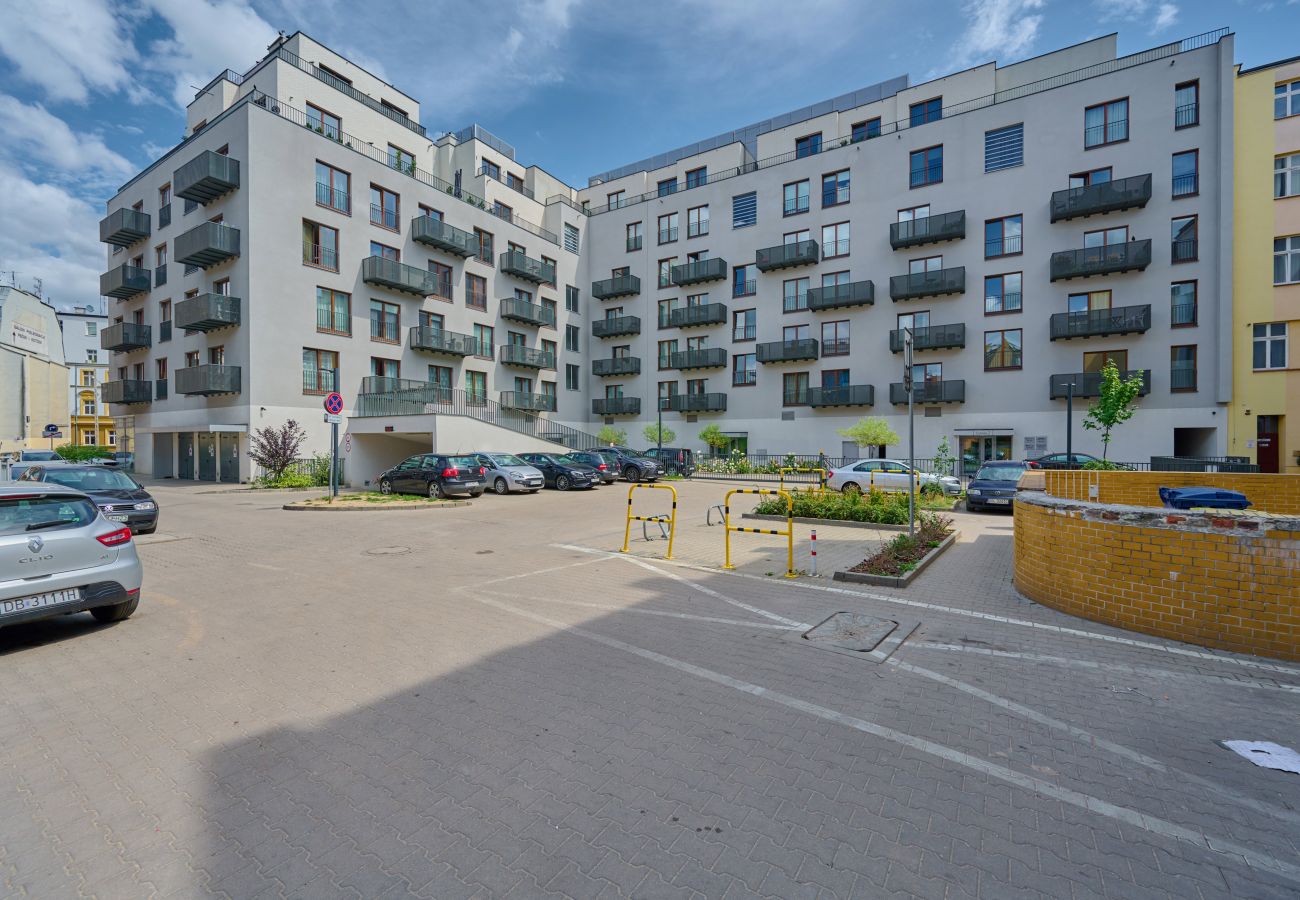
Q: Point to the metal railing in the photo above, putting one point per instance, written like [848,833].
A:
[124,227]
[702,314]
[703,358]
[667,235]
[1107,133]
[319,381]
[125,336]
[1186,185]
[437,233]
[527,402]
[519,264]
[126,390]
[635,243]
[207,244]
[692,403]
[1097,322]
[1187,114]
[1103,260]
[782,256]
[206,177]
[796,350]
[712,269]
[947,226]
[390,273]
[1202,464]
[383,327]
[836,296]
[618,286]
[1182,314]
[124,281]
[616,366]
[1182,377]
[316,255]
[744,288]
[1007,245]
[927,284]
[616,326]
[529,357]
[206,312]
[1183,251]
[930,337]
[929,392]
[333,198]
[523,311]
[1088,384]
[208,379]
[835,248]
[383,216]
[440,340]
[164,331]
[846,395]
[616,406]
[1133,192]
[160,274]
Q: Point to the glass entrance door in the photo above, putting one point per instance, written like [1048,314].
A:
[977,450]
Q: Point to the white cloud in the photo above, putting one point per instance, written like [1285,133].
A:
[69,48]
[1157,16]
[55,239]
[208,36]
[1166,15]
[40,141]
[999,30]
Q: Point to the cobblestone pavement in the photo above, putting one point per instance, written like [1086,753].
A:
[487,702]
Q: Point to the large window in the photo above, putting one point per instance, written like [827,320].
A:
[835,188]
[926,166]
[666,351]
[742,282]
[1183,237]
[1105,123]
[1002,293]
[1004,148]
[485,251]
[926,111]
[1182,368]
[697,177]
[571,238]
[333,311]
[744,324]
[475,291]
[835,240]
[1087,302]
[323,122]
[383,208]
[1286,175]
[795,295]
[571,337]
[333,188]
[1002,349]
[320,245]
[441,280]
[668,228]
[1182,303]
[1002,236]
[667,186]
[863,130]
[1286,100]
[796,198]
[475,386]
[794,389]
[635,239]
[1185,180]
[484,341]
[572,374]
[1286,260]
[666,272]
[808,145]
[570,298]
[744,369]
[1187,105]
[319,368]
[385,322]
[835,338]
[1270,346]
[401,160]
[666,308]
[697,221]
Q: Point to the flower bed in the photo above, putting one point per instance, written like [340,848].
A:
[905,553]
[876,507]
[375,500]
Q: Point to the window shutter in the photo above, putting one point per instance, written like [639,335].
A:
[744,210]
[1004,148]
[570,238]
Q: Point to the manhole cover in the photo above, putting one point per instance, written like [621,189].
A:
[388,551]
[851,631]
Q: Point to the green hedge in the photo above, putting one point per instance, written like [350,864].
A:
[82,454]
[877,507]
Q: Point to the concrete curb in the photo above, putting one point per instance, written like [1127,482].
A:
[378,507]
[899,581]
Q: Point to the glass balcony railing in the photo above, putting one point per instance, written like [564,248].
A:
[125,281]
[529,313]
[436,233]
[526,402]
[440,340]
[389,273]
[523,266]
[125,336]
[526,357]
[207,244]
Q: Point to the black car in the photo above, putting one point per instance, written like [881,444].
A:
[435,475]
[994,485]
[632,465]
[119,496]
[562,472]
[605,464]
[673,460]
[1070,461]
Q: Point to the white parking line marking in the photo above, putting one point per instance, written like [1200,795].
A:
[535,572]
[646,612]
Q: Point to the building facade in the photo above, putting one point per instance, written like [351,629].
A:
[33,378]
[92,423]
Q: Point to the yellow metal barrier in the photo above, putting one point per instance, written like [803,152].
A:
[670,519]
[789,526]
[821,478]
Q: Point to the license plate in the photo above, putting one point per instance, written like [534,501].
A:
[118,518]
[999,502]
[473,484]
[39,601]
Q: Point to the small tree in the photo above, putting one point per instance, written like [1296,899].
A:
[608,434]
[1115,404]
[944,462]
[873,431]
[275,449]
[658,434]
[713,438]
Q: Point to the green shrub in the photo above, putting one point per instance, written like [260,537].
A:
[289,480]
[876,507]
[82,454]
[1103,464]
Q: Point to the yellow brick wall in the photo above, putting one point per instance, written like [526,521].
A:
[1276,494]
[1227,588]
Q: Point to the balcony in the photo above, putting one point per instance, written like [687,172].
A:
[126,391]
[124,227]
[207,312]
[787,351]
[207,244]
[526,357]
[697,403]
[787,256]
[929,392]
[124,281]
[617,326]
[1099,322]
[1109,259]
[692,316]
[206,177]
[930,337]
[1109,196]
[927,284]
[616,406]
[527,402]
[389,273]
[1088,384]
[535,314]
[848,395]
[435,233]
[618,286]
[208,380]
[125,336]
[525,267]
[707,358]
[855,293]
[439,340]
[622,365]
[714,269]
[928,230]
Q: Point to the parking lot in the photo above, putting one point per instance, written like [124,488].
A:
[488,701]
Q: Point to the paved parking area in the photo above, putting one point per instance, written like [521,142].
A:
[488,702]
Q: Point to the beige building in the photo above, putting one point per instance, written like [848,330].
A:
[92,422]
[33,376]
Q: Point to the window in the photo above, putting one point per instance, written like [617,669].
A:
[695,387]
[323,122]
[333,311]
[401,160]
[666,308]
[1182,368]
[744,210]
[383,208]
[571,337]
[796,198]
[318,370]
[742,284]
[696,299]
[633,236]
[667,391]
[666,272]
[92,356]
[443,378]
[1004,148]
[1187,106]
[1105,236]
[924,264]
[666,350]
[88,437]
[697,177]
[92,328]
[1002,236]
[863,130]
[333,76]
[1183,236]
[485,247]
[794,295]
[808,146]
[835,240]
[1286,100]
[385,368]
[548,348]
[441,280]
[385,251]
[914,320]
[430,212]
[475,386]
[571,376]
[835,188]
[794,389]
[1002,293]
[491,169]
[1087,302]
[1185,174]
[571,238]
[1105,123]
[1182,303]
[1286,260]
[1002,349]
[570,298]
[501,211]
[514,182]
[475,291]
[431,320]
[1091,177]
[668,228]
[320,246]
[88,406]
[744,324]
[1286,175]
[385,319]
[191,360]
[926,166]
[484,340]
[553,267]
[926,111]
[744,369]
[835,338]
[160,368]
[697,221]
[667,186]
[333,188]
[615,200]
[1270,346]
[216,357]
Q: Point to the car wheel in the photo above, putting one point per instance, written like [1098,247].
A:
[562,482]
[632,474]
[476,494]
[117,612]
[851,488]
[385,486]
[435,491]
[500,486]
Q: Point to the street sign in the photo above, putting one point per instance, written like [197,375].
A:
[334,403]
[332,419]
[52,430]
[53,434]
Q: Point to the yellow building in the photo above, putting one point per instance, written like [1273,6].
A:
[33,377]
[1265,420]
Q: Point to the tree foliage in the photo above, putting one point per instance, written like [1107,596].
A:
[653,435]
[608,434]
[873,431]
[82,453]
[1115,404]
[713,438]
[275,449]
[944,462]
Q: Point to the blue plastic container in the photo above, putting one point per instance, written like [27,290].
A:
[1203,497]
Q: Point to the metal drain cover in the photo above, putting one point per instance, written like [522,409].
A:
[388,551]
[851,631]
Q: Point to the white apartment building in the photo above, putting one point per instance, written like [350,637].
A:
[1028,222]
[91,421]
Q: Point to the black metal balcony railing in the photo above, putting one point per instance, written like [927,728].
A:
[383,327]
[835,196]
[1187,114]
[838,296]
[1111,132]
[206,177]
[795,205]
[389,273]
[786,256]
[618,286]
[694,403]
[1186,185]
[124,227]
[703,314]
[124,281]
[316,255]
[616,326]
[160,389]
[622,365]
[1007,245]
[1182,314]
[527,402]
[744,288]
[1098,322]
[634,243]
[697,229]
[529,313]
[126,391]
[207,312]
[1108,259]
[436,233]
[1133,192]
[927,284]
[744,332]
[616,406]
[930,337]
[929,392]
[1182,377]
[164,331]
[160,274]
[319,381]
[207,244]
[125,336]
[440,340]
[208,380]
[713,269]
[949,226]
[333,198]
[525,267]
[835,248]
[1088,384]
[526,357]
[164,219]
[1183,251]
[706,358]
[787,351]
[847,395]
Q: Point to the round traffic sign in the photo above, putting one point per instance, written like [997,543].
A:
[334,403]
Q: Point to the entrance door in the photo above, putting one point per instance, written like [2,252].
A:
[185,456]
[207,453]
[229,457]
[1268,434]
[977,450]
[162,455]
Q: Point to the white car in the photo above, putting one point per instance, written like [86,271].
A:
[884,475]
[507,473]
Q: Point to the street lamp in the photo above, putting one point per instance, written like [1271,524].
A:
[909,387]
[1069,423]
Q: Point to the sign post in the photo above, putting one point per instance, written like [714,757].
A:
[910,387]
[334,415]
[52,431]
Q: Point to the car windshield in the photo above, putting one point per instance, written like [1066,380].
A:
[570,460]
[507,459]
[39,455]
[20,515]
[999,473]
[92,479]
[464,462]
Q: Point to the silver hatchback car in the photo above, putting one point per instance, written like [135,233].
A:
[507,473]
[59,555]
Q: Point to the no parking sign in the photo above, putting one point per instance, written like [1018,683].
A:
[334,403]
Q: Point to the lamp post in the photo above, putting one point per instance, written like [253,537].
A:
[909,387]
[1069,423]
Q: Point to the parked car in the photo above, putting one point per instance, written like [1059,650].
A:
[59,555]
[506,472]
[994,484]
[30,456]
[884,475]
[1062,461]
[632,465]
[119,496]
[561,472]
[605,464]
[673,460]
[435,475]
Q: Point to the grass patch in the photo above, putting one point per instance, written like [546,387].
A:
[876,507]
[901,555]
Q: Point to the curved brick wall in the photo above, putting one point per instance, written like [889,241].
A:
[1219,580]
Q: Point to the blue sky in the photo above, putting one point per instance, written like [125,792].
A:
[91,91]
